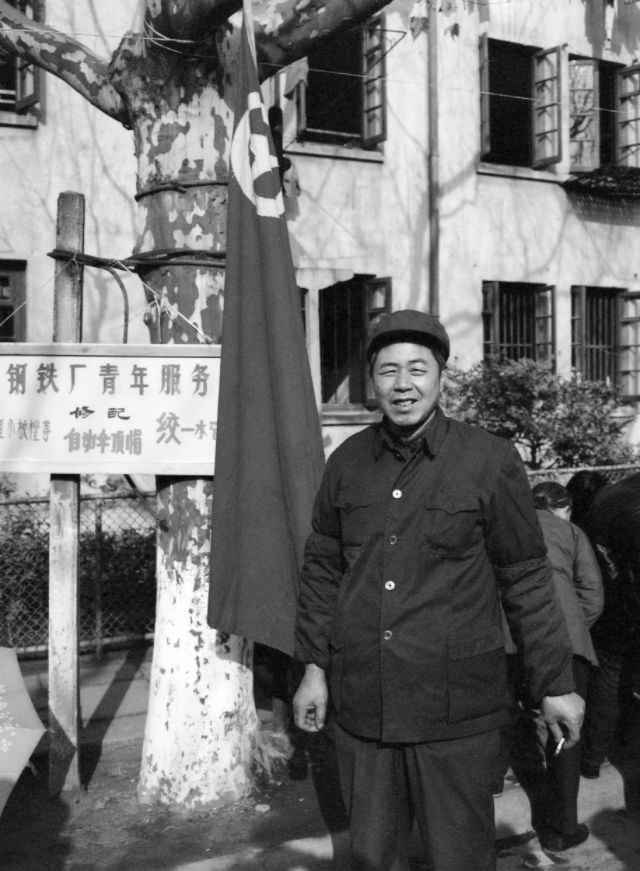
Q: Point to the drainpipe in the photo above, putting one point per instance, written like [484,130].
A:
[432,169]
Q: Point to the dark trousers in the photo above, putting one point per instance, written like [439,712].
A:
[608,698]
[551,782]
[445,787]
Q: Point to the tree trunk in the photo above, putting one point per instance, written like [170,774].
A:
[201,725]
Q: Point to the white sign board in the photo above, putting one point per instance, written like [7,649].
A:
[115,409]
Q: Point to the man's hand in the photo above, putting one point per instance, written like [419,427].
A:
[310,700]
[563,715]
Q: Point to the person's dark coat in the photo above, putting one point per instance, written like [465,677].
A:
[399,592]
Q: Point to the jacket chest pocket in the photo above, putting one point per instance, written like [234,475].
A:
[453,522]
[357,516]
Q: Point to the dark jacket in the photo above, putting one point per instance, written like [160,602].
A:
[613,526]
[399,591]
[576,578]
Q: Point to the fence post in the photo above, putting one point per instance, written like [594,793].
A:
[64,681]
[98,582]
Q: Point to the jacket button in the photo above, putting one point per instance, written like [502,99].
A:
[389,585]
[387,634]
[396,494]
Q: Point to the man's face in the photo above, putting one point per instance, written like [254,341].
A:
[406,379]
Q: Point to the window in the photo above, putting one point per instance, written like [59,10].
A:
[12,301]
[343,99]
[518,321]
[521,108]
[20,80]
[629,116]
[592,116]
[520,113]
[605,336]
[346,311]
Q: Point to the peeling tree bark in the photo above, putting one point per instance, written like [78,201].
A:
[201,725]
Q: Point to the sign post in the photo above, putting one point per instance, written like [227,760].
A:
[64,684]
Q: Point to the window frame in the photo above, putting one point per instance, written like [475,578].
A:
[592,112]
[28,78]
[621,370]
[372,93]
[628,101]
[375,293]
[16,271]
[547,121]
[541,325]
[546,117]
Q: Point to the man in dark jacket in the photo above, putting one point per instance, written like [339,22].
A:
[420,525]
[613,525]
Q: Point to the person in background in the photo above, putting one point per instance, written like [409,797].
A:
[420,523]
[550,774]
[613,526]
[583,487]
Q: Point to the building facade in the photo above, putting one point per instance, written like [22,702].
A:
[476,157]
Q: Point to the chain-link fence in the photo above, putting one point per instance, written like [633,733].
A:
[117,582]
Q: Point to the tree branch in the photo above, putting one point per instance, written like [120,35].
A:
[189,19]
[288,29]
[63,57]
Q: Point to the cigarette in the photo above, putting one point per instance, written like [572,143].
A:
[559,746]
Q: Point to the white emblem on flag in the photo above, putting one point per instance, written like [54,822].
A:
[254,164]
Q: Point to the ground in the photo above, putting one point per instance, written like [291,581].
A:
[104,828]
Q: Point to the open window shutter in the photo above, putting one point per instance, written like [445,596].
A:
[547,108]
[374,120]
[27,74]
[628,102]
[490,318]
[377,302]
[578,328]
[485,99]
[544,325]
[629,346]
[584,121]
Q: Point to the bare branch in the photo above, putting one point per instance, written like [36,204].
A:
[288,29]
[62,56]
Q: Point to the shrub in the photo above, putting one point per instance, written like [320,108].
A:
[555,421]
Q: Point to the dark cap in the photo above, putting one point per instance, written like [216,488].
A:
[408,325]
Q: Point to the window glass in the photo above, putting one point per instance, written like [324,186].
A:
[346,312]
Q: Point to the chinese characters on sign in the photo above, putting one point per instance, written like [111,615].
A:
[117,408]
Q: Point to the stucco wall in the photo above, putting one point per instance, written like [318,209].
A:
[74,148]
[522,225]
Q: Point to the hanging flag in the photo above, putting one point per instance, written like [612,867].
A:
[269,457]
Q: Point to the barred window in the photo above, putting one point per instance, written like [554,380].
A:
[347,310]
[518,321]
[605,337]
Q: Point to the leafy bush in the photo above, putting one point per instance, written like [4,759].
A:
[555,421]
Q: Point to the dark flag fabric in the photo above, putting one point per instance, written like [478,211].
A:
[268,458]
